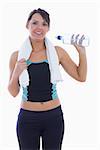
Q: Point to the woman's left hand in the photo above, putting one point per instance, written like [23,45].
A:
[79,48]
[77,42]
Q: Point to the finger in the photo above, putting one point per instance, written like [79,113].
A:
[81,39]
[73,39]
[22,60]
[24,64]
[76,38]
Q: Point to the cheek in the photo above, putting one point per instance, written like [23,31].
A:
[29,26]
[47,29]
[31,29]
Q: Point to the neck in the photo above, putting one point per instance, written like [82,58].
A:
[38,45]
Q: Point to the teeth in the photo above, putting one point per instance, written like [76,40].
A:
[38,33]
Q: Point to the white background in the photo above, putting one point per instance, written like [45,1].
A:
[80,101]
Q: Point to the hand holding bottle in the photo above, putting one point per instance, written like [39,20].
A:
[81,40]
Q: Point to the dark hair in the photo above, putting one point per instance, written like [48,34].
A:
[42,12]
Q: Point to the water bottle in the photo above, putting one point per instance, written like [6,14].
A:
[81,40]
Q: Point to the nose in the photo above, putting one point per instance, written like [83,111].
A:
[40,26]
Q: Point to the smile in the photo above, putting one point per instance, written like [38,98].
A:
[38,33]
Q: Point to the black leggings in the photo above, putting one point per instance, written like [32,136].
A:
[32,125]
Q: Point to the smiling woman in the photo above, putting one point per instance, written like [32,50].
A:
[79,100]
[40,101]
[40,106]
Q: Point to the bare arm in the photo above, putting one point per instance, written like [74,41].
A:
[82,67]
[16,67]
[77,72]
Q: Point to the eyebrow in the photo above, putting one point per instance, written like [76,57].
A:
[38,20]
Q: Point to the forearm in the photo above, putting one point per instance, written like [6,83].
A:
[82,67]
[13,85]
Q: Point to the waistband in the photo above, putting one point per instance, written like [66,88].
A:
[52,112]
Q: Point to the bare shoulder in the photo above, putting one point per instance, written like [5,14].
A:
[61,53]
[13,59]
[14,56]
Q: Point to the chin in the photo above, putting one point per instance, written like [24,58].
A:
[37,38]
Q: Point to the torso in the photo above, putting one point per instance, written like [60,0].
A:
[39,106]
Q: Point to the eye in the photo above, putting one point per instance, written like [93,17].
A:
[45,24]
[35,23]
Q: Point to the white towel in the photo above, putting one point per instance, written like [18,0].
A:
[25,51]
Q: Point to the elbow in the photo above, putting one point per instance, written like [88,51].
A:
[12,92]
[82,79]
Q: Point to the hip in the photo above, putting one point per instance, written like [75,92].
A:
[52,118]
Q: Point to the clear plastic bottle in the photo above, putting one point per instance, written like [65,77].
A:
[81,40]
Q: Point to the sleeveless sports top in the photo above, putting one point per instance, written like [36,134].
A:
[40,88]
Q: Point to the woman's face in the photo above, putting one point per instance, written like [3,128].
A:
[37,27]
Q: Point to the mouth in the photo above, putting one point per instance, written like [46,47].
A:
[38,33]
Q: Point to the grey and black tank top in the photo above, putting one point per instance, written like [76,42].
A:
[40,88]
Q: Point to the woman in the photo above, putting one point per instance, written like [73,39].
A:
[41,114]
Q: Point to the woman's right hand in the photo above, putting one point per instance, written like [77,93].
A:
[20,66]
[16,68]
